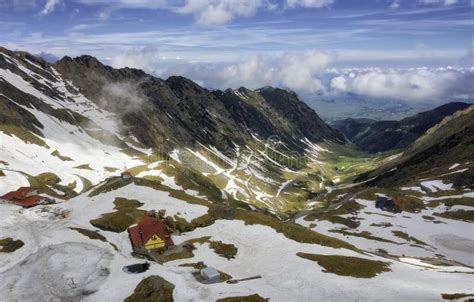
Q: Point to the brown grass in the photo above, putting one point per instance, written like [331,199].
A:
[119,221]
[348,266]
[251,298]
[83,167]
[403,200]
[407,237]
[457,296]
[9,245]
[463,215]
[151,289]
[61,157]
[223,249]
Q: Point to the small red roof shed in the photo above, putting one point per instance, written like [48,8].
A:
[29,201]
[126,174]
[146,229]
[18,194]
[25,196]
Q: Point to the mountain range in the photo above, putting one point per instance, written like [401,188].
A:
[251,182]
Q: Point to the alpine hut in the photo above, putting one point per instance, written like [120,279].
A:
[150,234]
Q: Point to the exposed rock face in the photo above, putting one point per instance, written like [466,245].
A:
[178,111]
[158,113]
[287,104]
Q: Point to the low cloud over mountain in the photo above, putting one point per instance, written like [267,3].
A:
[420,84]
[310,71]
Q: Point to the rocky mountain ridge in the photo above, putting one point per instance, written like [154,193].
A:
[180,110]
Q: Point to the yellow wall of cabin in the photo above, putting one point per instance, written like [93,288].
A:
[155,242]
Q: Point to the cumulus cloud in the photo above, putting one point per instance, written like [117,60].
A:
[309,3]
[409,85]
[216,12]
[295,70]
[148,59]
[310,71]
[49,7]
[205,12]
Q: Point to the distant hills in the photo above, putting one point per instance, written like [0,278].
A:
[378,136]
[340,106]
[436,153]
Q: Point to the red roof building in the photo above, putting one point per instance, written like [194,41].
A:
[149,234]
[126,175]
[30,201]
[25,196]
[21,193]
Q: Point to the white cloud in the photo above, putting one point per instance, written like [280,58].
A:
[309,3]
[467,60]
[297,71]
[338,83]
[110,6]
[18,5]
[151,4]
[207,12]
[147,59]
[395,4]
[308,72]
[217,12]
[49,6]
[444,2]
[121,96]
[409,85]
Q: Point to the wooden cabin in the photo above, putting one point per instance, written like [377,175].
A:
[149,235]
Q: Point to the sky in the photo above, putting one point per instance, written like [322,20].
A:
[413,50]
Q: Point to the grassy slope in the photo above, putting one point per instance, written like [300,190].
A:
[348,266]
[450,142]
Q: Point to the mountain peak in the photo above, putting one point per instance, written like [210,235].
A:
[183,87]
[88,60]
[275,90]
[180,80]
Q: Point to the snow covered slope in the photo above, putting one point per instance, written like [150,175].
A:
[58,262]
[51,127]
